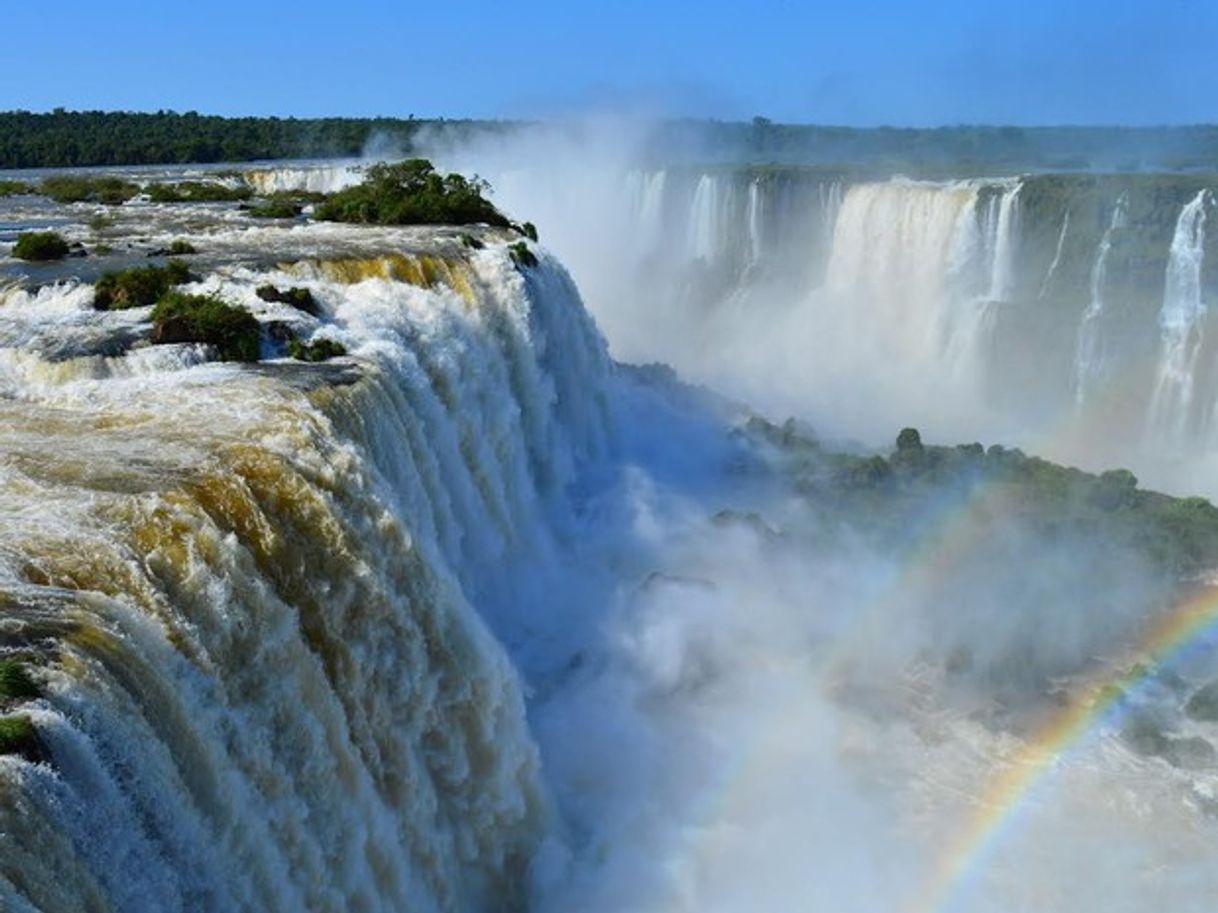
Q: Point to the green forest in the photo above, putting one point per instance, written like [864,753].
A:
[64,139]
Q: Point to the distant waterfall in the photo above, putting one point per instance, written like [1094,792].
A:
[917,266]
[1005,234]
[704,219]
[1057,256]
[1089,346]
[314,179]
[648,193]
[1180,322]
[754,221]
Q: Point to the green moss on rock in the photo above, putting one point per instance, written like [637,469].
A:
[75,188]
[15,682]
[197,192]
[140,286]
[232,331]
[318,350]
[40,246]
[521,255]
[14,188]
[18,737]
[300,298]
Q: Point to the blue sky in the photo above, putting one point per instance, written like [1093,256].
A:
[860,62]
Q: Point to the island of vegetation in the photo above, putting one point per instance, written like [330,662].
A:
[411,192]
[40,246]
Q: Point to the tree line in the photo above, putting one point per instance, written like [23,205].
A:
[60,138]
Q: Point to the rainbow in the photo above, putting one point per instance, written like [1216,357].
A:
[1171,636]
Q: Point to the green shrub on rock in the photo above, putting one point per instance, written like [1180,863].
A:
[140,286]
[75,188]
[318,350]
[300,298]
[521,255]
[17,736]
[15,682]
[196,192]
[232,331]
[40,246]
[14,188]
[274,209]
[411,193]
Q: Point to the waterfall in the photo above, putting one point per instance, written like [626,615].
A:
[1089,345]
[1005,235]
[1180,322]
[913,265]
[313,179]
[754,221]
[1057,256]
[703,231]
[256,599]
[650,209]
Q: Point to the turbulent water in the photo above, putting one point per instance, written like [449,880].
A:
[266,685]
[476,618]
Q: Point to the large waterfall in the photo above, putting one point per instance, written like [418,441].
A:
[249,595]
[854,299]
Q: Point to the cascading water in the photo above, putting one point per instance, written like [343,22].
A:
[314,179]
[649,206]
[1005,233]
[914,267]
[704,219]
[1089,358]
[249,594]
[754,221]
[1057,256]
[1180,323]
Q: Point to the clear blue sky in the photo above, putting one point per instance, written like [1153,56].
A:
[860,62]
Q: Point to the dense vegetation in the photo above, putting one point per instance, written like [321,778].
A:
[521,255]
[139,286]
[274,209]
[318,350]
[63,139]
[17,736]
[893,497]
[17,733]
[232,331]
[40,246]
[13,188]
[197,192]
[79,188]
[16,684]
[73,138]
[411,193]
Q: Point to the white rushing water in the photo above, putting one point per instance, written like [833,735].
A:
[267,687]
[1089,358]
[1057,256]
[1180,323]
